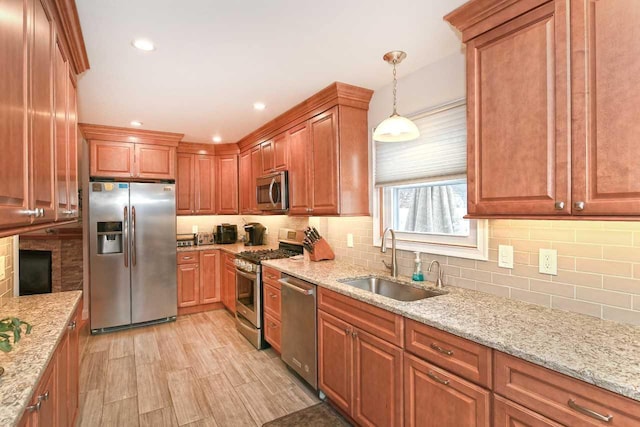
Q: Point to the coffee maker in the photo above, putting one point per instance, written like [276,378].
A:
[254,234]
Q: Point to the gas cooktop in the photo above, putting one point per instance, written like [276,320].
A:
[266,254]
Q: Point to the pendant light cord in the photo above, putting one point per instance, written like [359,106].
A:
[395,86]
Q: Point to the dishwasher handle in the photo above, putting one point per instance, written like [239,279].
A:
[298,285]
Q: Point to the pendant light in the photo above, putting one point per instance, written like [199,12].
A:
[396,128]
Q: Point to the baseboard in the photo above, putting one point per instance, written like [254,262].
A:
[199,308]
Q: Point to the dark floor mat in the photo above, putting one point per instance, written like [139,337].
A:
[320,415]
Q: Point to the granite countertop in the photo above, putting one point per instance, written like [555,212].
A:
[232,248]
[25,364]
[600,352]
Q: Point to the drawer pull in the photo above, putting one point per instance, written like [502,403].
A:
[272,295]
[436,347]
[35,407]
[186,257]
[586,411]
[72,325]
[438,379]
[44,396]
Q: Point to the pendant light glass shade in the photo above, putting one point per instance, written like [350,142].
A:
[396,128]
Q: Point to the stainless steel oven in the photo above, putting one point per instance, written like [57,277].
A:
[272,192]
[249,301]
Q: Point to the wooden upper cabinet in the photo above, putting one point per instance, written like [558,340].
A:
[323,131]
[42,177]
[227,184]
[605,66]
[256,172]
[205,185]
[518,114]
[274,154]
[185,184]
[268,157]
[155,161]
[61,81]
[112,159]
[299,150]
[244,179]
[14,163]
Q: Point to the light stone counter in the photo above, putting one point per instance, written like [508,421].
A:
[232,248]
[596,351]
[25,364]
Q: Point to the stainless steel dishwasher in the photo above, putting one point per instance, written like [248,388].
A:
[299,342]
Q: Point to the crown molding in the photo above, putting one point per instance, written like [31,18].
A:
[119,134]
[66,15]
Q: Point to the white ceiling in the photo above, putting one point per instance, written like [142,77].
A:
[214,59]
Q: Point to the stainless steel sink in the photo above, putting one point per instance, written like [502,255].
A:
[391,289]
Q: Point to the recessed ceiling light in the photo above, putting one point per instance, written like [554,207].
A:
[259,106]
[136,123]
[217,139]
[144,44]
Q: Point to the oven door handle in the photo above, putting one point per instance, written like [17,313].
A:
[249,276]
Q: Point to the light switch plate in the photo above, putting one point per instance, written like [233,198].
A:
[2,266]
[505,256]
[350,240]
[548,262]
[194,229]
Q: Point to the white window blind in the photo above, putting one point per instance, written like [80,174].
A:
[440,153]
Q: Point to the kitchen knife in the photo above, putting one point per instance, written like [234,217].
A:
[315,233]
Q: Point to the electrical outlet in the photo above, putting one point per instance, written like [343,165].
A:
[350,240]
[505,256]
[548,262]
[266,231]
[2,266]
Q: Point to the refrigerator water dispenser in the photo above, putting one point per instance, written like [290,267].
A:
[109,237]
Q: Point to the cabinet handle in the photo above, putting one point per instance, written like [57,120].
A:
[32,212]
[354,334]
[578,206]
[586,411]
[41,212]
[44,396]
[186,257]
[436,347]
[72,325]
[272,295]
[35,407]
[438,379]
[559,205]
[348,331]
[272,325]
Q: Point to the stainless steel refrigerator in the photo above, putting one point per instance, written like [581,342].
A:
[133,253]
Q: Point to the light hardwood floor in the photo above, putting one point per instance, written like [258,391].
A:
[197,371]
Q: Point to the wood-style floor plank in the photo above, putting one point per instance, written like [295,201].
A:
[121,346]
[188,400]
[122,413]
[90,411]
[261,404]
[159,418]
[235,368]
[153,388]
[146,348]
[121,380]
[202,360]
[171,351]
[225,404]
[93,371]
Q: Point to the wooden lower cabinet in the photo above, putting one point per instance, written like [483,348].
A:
[509,414]
[359,373]
[229,284]
[435,397]
[199,281]
[188,285]
[273,332]
[210,277]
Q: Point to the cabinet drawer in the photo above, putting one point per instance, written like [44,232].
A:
[272,332]
[271,275]
[188,257]
[559,397]
[272,298]
[462,357]
[376,321]
[509,414]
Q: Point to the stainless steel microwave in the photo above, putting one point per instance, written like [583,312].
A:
[272,192]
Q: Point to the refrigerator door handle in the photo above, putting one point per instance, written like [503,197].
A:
[133,236]
[126,237]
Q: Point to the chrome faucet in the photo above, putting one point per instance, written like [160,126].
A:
[394,259]
[439,283]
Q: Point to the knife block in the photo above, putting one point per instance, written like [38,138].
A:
[321,251]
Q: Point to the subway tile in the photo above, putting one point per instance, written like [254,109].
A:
[580,225]
[604,297]
[491,266]
[460,282]
[566,263]
[636,238]
[501,291]
[448,270]
[511,281]
[622,225]
[636,271]
[622,284]
[529,271]
[522,258]
[532,246]
[532,297]
[530,223]
[621,253]
[583,250]
[614,268]
[636,302]
[551,288]
[620,315]
[605,237]
[462,262]
[576,306]
[578,278]
[493,254]
[556,235]
[517,233]
[495,242]
[483,276]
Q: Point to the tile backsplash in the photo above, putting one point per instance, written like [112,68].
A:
[598,263]
[6,284]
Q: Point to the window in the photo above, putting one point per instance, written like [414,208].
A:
[421,188]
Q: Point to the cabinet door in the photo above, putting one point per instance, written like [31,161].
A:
[205,185]
[227,184]
[62,384]
[230,283]
[299,164]
[210,277]
[188,285]
[335,369]
[377,367]
[268,157]
[185,185]
[509,414]
[74,365]
[111,159]
[434,397]
[61,80]
[518,120]
[155,161]
[246,195]
[42,176]
[605,63]
[14,170]
[273,332]
[72,136]
[47,393]
[280,152]
[256,172]
[324,167]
